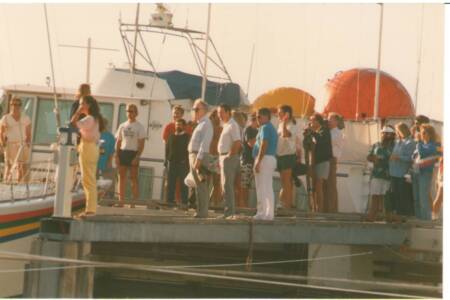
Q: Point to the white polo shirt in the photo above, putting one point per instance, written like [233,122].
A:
[230,133]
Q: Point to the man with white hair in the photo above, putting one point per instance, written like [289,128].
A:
[199,154]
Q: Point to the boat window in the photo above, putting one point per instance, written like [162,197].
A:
[107,109]
[3,104]
[45,125]
[122,114]
[27,105]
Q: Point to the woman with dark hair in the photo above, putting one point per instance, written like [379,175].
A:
[88,148]
[286,152]
[424,157]
[320,138]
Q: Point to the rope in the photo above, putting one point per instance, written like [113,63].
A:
[289,277]
[398,254]
[55,97]
[199,274]
[45,269]
[7,254]
[332,279]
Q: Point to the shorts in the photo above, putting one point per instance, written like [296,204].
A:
[379,187]
[322,170]
[11,151]
[286,162]
[126,157]
[246,175]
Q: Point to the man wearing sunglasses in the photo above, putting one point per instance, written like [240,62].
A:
[15,136]
[199,154]
[130,139]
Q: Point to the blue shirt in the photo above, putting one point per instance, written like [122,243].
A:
[423,151]
[106,149]
[404,150]
[201,137]
[269,133]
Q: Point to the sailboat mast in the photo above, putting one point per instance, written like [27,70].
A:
[377,77]
[88,67]
[419,61]
[133,64]
[206,53]
[55,97]
[251,69]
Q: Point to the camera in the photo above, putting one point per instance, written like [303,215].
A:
[308,137]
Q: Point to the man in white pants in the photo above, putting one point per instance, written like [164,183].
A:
[264,153]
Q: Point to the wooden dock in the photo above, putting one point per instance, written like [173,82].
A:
[162,237]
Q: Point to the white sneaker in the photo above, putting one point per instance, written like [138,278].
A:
[263,218]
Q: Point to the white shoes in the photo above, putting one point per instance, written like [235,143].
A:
[262,218]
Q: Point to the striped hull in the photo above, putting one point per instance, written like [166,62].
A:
[19,223]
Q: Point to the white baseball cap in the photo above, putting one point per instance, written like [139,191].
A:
[387,129]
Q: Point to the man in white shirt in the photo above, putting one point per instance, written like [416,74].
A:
[15,136]
[229,147]
[337,143]
[198,149]
[130,139]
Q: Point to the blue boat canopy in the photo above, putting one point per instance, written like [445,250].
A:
[188,86]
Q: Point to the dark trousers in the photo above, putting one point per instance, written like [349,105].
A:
[177,170]
[402,198]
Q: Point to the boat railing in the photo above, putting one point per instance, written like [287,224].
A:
[26,181]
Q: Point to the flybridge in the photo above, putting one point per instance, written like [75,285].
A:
[161,24]
[194,40]
[216,85]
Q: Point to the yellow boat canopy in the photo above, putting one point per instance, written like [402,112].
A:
[301,102]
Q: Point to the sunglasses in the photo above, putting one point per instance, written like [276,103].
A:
[16,104]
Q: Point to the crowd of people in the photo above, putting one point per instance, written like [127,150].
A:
[403,165]
[224,155]
[219,156]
